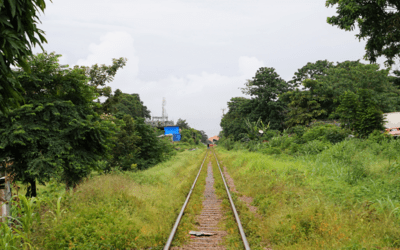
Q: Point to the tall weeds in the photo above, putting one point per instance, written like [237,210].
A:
[329,200]
[124,210]
[16,231]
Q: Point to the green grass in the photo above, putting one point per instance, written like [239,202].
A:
[248,220]
[193,208]
[232,240]
[184,146]
[346,197]
[131,210]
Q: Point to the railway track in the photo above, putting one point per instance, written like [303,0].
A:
[210,217]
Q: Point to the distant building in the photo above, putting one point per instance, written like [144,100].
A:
[159,122]
[174,131]
[392,120]
[213,139]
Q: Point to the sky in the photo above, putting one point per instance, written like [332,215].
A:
[196,54]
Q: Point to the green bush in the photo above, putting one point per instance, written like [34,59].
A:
[298,130]
[379,137]
[272,151]
[325,132]
[313,147]
[282,142]
[269,134]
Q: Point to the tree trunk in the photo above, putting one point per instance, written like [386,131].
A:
[31,190]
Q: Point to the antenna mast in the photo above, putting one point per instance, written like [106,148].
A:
[164,102]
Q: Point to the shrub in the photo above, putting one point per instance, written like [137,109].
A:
[313,147]
[282,142]
[326,132]
[228,143]
[269,134]
[298,130]
[379,137]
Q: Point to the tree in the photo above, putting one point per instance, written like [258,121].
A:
[307,105]
[321,96]
[360,113]
[310,71]
[232,123]
[182,124]
[56,133]
[126,148]
[125,104]
[204,137]
[99,75]
[18,32]
[152,150]
[265,89]
[136,145]
[378,22]
[191,135]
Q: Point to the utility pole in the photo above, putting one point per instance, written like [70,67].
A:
[223,112]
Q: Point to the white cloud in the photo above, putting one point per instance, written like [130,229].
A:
[113,45]
[198,98]
[249,65]
[196,54]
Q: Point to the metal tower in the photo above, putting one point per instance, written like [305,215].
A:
[164,103]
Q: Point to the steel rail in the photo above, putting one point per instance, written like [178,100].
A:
[178,220]
[242,234]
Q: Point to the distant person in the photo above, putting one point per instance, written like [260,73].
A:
[208,145]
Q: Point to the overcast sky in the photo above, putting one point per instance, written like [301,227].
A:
[195,53]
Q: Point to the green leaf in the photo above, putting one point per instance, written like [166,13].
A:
[13,7]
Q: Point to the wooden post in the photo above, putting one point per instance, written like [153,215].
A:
[5,195]
[3,209]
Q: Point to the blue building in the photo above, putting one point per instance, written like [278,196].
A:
[174,131]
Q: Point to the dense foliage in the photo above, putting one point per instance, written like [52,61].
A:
[56,133]
[232,122]
[264,89]
[182,124]
[59,133]
[191,135]
[352,92]
[378,23]
[100,75]
[126,104]
[323,94]
[18,32]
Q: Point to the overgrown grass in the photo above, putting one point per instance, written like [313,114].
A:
[184,146]
[131,210]
[345,197]
[193,208]
[233,240]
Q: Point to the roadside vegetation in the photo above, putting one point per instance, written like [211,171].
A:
[313,155]
[119,210]
[79,162]
[310,151]
[312,193]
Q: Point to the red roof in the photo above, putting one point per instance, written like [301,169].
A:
[211,139]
